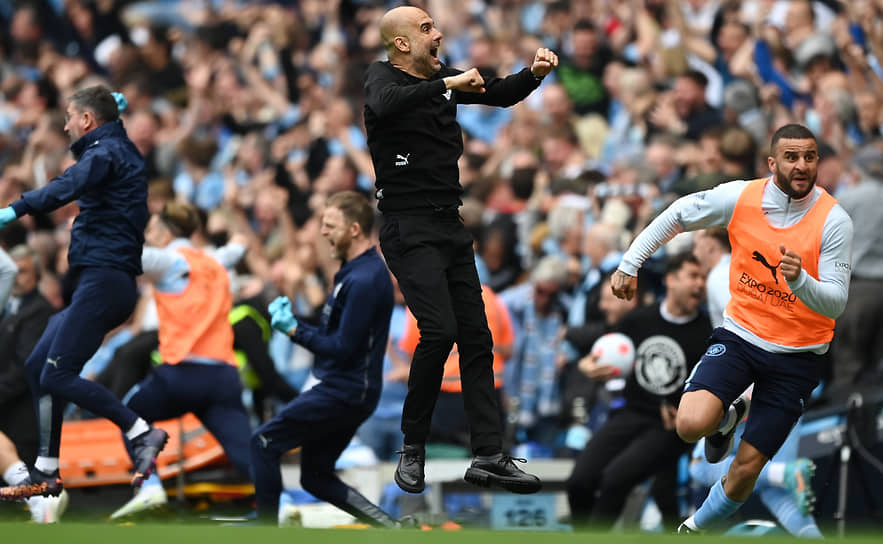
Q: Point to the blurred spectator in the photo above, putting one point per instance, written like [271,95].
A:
[661,157]
[601,251]
[498,250]
[197,182]
[532,375]
[581,69]
[857,349]
[143,126]
[582,393]
[684,110]
[629,130]
[164,76]
[742,106]
[25,315]
[832,166]
[712,248]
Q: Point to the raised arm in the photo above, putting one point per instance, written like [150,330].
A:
[504,92]
[692,212]
[91,169]
[385,95]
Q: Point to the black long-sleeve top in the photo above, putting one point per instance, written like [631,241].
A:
[413,134]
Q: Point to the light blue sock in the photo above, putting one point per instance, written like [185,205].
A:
[782,505]
[153,479]
[717,507]
[707,473]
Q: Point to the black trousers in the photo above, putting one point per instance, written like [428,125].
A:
[432,258]
[627,450]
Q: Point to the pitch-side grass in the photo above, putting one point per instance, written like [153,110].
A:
[73,532]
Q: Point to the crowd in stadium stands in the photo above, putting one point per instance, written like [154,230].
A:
[252,112]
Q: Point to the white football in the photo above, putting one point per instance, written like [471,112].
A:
[617,350]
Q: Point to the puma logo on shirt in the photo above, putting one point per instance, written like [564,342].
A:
[762,260]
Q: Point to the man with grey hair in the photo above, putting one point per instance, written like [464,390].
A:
[25,315]
[742,106]
[531,375]
[857,348]
[24,318]
[601,252]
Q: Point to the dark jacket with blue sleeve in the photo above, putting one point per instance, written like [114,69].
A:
[350,341]
[109,183]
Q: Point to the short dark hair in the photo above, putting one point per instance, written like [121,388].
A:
[48,92]
[99,101]
[181,218]
[791,131]
[585,24]
[677,261]
[354,207]
[738,145]
[696,77]
[720,235]
[23,251]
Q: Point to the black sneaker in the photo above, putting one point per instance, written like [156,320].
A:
[37,483]
[719,445]
[409,473]
[146,448]
[500,470]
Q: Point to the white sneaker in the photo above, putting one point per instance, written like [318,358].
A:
[47,509]
[289,516]
[148,497]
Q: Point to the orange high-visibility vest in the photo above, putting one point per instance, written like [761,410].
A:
[500,324]
[195,322]
[761,300]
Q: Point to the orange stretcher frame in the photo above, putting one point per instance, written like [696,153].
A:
[93,454]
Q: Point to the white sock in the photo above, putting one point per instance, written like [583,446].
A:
[46,465]
[728,421]
[16,474]
[140,427]
[775,473]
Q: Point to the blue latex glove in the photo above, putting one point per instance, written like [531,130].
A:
[122,103]
[7,215]
[281,317]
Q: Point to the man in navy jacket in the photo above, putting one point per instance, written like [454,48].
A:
[349,344]
[108,182]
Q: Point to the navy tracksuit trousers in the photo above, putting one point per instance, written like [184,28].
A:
[322,425]
[213,392]
[103,299]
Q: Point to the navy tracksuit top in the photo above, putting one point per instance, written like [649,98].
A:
[350,341]
[109,183]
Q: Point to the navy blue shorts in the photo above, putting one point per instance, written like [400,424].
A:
[783,383]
